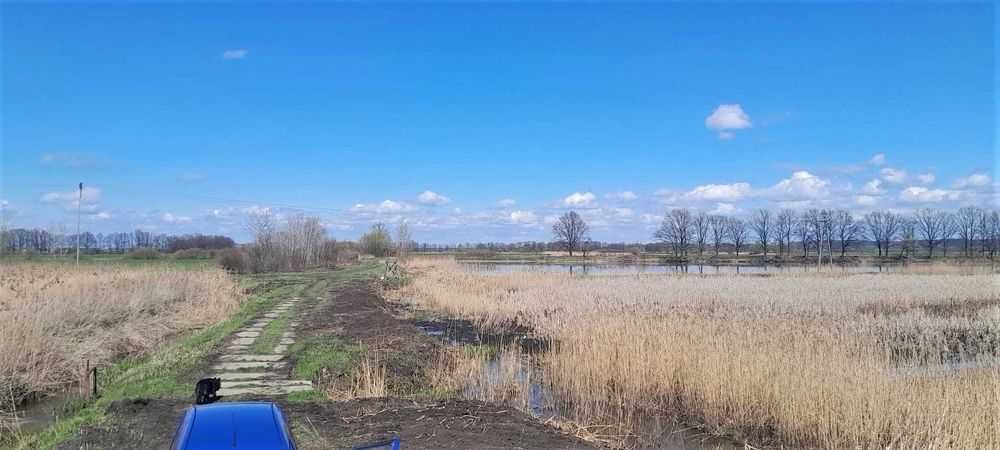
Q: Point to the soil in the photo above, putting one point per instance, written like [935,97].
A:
[150,424]
[354,314]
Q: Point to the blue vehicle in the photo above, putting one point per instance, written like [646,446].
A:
[235,425]
[239,425]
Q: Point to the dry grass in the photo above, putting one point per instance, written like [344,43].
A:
[369,377]
[54,317]
[816,360]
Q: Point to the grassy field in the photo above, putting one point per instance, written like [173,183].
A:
[812,360]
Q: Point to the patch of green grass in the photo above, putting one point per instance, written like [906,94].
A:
[305,396]
[481,351]
[313,355]
[271,335]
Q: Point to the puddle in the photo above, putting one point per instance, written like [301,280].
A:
[492,381]
[37,415]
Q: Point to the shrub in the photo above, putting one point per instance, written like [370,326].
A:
[234,260]
[194,253]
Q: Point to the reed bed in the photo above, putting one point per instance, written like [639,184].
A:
[54,318]
[812,360]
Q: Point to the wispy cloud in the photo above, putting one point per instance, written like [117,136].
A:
[579,199]
[974,180]
[237,53]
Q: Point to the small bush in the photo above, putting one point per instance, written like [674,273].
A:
[144,253]
[234,260]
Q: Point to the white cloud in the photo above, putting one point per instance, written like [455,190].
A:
[873,187]
[507,202]
[919,194]
[894,176]
[865,200]
[801,185]
[719,192]
[237,53]
[651,218]
[625,196]
[974,180]
[432,198]
[387,206]
[727,117]
[4,203]
[926,178]
[877,160]
[254,210]
[89,196]
[725,209]
[522,217]
[103,215]
[170,218]
[579,199]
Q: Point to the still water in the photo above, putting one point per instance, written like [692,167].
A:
[629,269]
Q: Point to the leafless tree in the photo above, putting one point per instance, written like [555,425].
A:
[846,229]
[570,231]
[930,224]
[701,225]
[403,240]
[803,231]
[717,225]
[949,230]
[882,228]
[738,232]
[908,236]
[762,224]
[677,230]
[784,225]
[968,219]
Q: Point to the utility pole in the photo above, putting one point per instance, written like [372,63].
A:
[79,201]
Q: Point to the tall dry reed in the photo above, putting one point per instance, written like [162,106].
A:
[55,317]
[816,360]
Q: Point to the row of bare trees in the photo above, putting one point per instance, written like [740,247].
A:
[294,244]
[829,231]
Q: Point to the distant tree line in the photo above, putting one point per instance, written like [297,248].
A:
[926,232]
[22,240]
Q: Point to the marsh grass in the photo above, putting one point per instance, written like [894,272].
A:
[808,360]
[55,318]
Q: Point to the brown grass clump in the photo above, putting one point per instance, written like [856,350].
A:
[814,360]
[56,317]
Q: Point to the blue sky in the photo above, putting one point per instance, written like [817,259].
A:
[479,122]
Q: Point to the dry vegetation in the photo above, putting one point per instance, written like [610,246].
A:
[55,317]
[816,360]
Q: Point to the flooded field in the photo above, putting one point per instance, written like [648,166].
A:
[842,359]
[492,267]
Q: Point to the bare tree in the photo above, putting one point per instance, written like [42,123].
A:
[949,230]
[882,228]
[717,225]
[846,229]
[804,233]
[403,240]
[968,227]
[701,225]
[677,230]
[930,223]
[570,231]
[738,232]
[784,225]
[908,236]
[762,224]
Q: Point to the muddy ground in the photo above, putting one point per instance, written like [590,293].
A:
[354,313]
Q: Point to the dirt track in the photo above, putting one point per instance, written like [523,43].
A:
[355,314]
